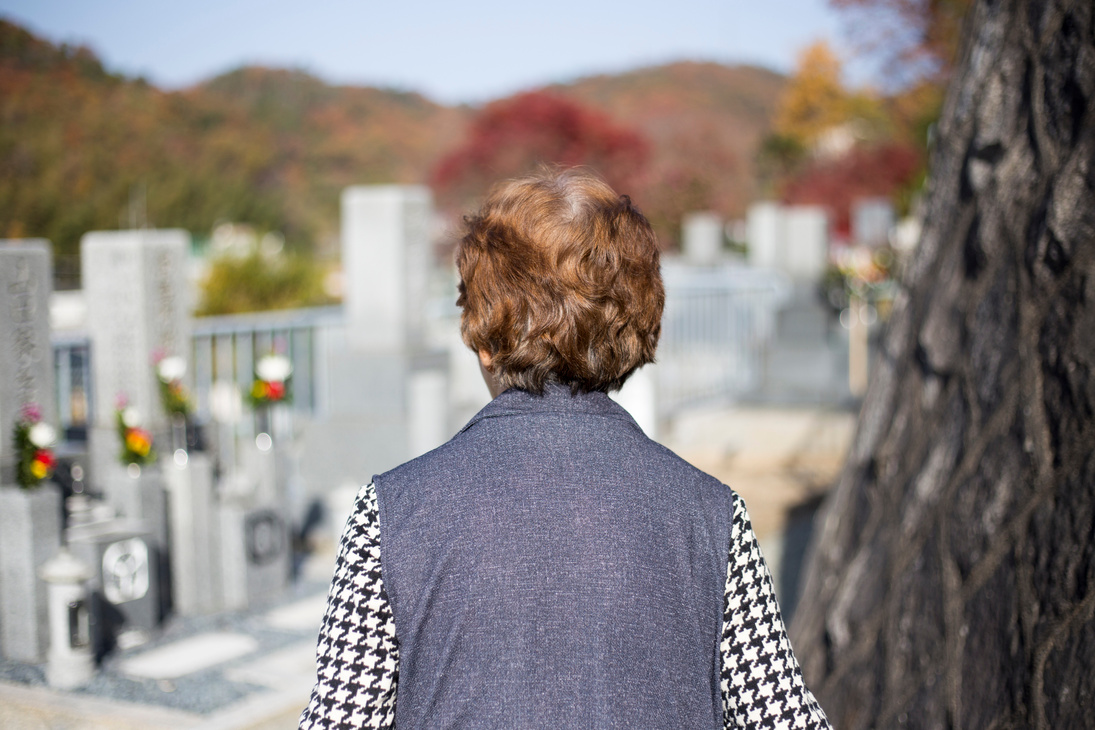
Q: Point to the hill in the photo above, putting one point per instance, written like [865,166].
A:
[704,122]
[82,148]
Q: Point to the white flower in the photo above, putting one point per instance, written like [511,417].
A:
[42,435]
[171,369]
[131,417]
[274,368]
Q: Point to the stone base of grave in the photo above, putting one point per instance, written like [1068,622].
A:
[255,553]
[195,544]
[30,534]
[125,586]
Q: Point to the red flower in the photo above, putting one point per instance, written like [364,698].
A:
[46,457]
[275,390]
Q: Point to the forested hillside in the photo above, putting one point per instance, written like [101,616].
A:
[82,148]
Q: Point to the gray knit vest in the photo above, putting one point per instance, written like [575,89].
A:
[552,567]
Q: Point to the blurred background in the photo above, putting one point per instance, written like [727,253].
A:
[272,192]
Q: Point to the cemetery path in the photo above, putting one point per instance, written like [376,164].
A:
[250,670]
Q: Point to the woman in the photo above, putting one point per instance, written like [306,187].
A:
[551,566]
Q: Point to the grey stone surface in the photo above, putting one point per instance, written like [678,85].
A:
[872,219]
[805,252]
[26,358]
[122,556]
[385,253]
[30,534]
[790,239]
[701,238]
[255,553]
[764,234]
[137,306]
[195,537]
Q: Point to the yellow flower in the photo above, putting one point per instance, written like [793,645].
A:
[258,390]
[138,441]
[38,469]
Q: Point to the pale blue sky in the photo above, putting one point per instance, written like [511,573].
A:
[451,51]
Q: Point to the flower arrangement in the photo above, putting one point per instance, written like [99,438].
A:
[170,372]
[33,440]
[862,273]
[136,441]
[271,383]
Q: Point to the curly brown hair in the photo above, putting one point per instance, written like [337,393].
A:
[560,282]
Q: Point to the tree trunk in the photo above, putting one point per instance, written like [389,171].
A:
[952,583]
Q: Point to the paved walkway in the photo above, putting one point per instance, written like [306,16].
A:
[235,671]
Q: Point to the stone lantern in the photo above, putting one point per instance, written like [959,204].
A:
[71,663]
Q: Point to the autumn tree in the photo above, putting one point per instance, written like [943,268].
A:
[816,99]
[514,136]
[831,145]
[952,583]
[869,171]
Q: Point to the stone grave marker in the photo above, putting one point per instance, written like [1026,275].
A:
[196,580]
[137,308]
[385,252]
[125,565]
[26,357]
[701,238]
[381,402]
[805,242]
[30,520]
[872,219]
[764,232]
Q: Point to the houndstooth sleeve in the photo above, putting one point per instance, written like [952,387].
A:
[762,684]
[357,657]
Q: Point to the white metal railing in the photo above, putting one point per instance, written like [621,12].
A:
[225,349]
[716,331]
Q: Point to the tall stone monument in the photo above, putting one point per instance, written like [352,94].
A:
[701,238]
[793,239]
[385,254]
[137,308]
[387,395]
[30,520]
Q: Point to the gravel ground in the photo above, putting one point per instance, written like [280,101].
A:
[203,692]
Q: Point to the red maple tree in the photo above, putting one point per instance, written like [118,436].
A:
[513,136]
[863,172]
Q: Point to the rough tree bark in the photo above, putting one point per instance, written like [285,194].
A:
[952,583]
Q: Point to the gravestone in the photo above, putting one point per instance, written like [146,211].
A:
[254,552]
[385,254]
[26,357]
[791,239]
[872,219]
[764,233]
[701,238]
[30,520]
[137,307]
[386,394]
[805,249]
[125,583]
[196,583]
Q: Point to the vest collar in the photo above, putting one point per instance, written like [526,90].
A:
[556,399]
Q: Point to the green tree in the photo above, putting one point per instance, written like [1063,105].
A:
[259,282]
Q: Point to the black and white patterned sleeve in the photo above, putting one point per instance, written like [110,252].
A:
[357,657]
[762,684]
